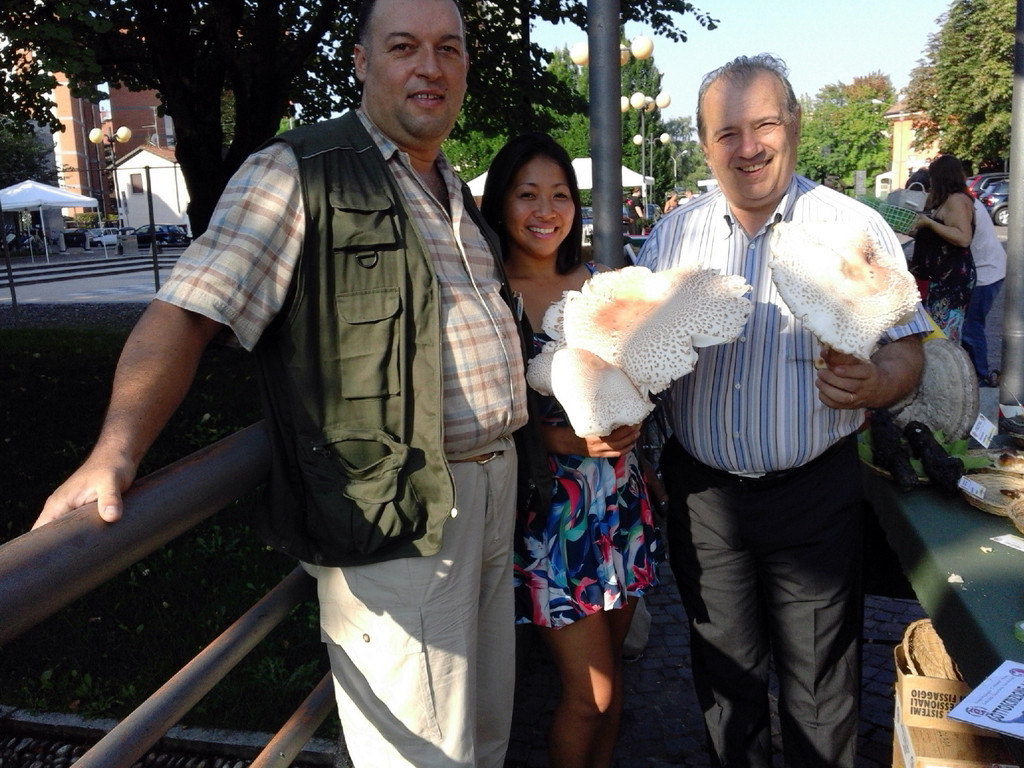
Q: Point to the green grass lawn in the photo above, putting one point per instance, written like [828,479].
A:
[107,652]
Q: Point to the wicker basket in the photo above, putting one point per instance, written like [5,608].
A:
[1000,461]
[1000,491]
[1015,511]
[925,653]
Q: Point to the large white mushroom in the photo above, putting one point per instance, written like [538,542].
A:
[554,319]
[538,372]
[843,286]
[648,323]
[632,327]
[596,396]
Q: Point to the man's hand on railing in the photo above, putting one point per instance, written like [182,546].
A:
[103,477]
[153,375]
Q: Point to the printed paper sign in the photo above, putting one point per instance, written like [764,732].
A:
[997,703]
[1009,540]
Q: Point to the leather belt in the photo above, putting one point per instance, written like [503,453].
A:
[483,458]
[771,479]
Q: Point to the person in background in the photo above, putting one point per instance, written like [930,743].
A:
[990,264]
[942,246]
[582,563]
[350,257]
[762,474]
[670,202]
[635,211]
[920,176]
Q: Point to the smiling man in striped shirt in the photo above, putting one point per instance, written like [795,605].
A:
[764,483]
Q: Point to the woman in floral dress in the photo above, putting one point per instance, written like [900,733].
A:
[580,566]
[942,246]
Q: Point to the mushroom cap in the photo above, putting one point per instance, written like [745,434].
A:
[596,396]
[553,319]
[538,370]
[648,323]
[841,283]
[946,397]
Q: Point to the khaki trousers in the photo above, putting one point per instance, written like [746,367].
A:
[423,649]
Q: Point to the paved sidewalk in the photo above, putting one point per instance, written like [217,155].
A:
[661,722]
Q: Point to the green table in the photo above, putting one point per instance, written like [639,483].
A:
[939,537]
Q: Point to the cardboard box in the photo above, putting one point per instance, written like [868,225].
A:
[923,737]
[924,701]
[939,748]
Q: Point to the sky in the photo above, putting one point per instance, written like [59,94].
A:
[823,42]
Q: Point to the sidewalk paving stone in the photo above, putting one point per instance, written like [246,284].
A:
[661,722]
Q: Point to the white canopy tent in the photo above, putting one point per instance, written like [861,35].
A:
[31,195]
[584,176]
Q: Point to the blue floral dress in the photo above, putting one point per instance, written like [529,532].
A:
[594,546]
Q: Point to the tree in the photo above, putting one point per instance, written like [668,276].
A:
[190,52]
[963,88]
[275,56]
[569,125]
[24,156]
[684,154]
[844,130]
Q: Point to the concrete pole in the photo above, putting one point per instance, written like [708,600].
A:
[605,132]
[1011,387]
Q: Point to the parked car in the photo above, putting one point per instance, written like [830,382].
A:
[994,200]
[165,234]
[980,183]
[105,236]
[76,238]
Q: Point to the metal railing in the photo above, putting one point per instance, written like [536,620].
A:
[46,569]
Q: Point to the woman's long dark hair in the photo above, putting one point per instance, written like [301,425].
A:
[505,165]
[946,177]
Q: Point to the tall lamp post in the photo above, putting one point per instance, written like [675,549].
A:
[120,136]
[605,130]
[643,103]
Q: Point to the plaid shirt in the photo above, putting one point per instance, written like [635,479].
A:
[238,272]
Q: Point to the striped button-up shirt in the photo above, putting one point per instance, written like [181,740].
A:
[750,406]
[238,271]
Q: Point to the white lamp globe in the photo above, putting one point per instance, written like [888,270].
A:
[123,134]
[638,139]
[95,135]
[663,100]
[579,54]
[637,100]
[641,47]
[623,55]
[664,138]
[624,103]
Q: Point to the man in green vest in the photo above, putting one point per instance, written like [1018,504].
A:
[350,258]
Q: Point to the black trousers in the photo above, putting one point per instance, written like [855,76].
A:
[769,570]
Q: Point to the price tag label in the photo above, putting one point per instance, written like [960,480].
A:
[977,490]
[983,430]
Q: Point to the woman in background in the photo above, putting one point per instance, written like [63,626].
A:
[942,246]
[580,567]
